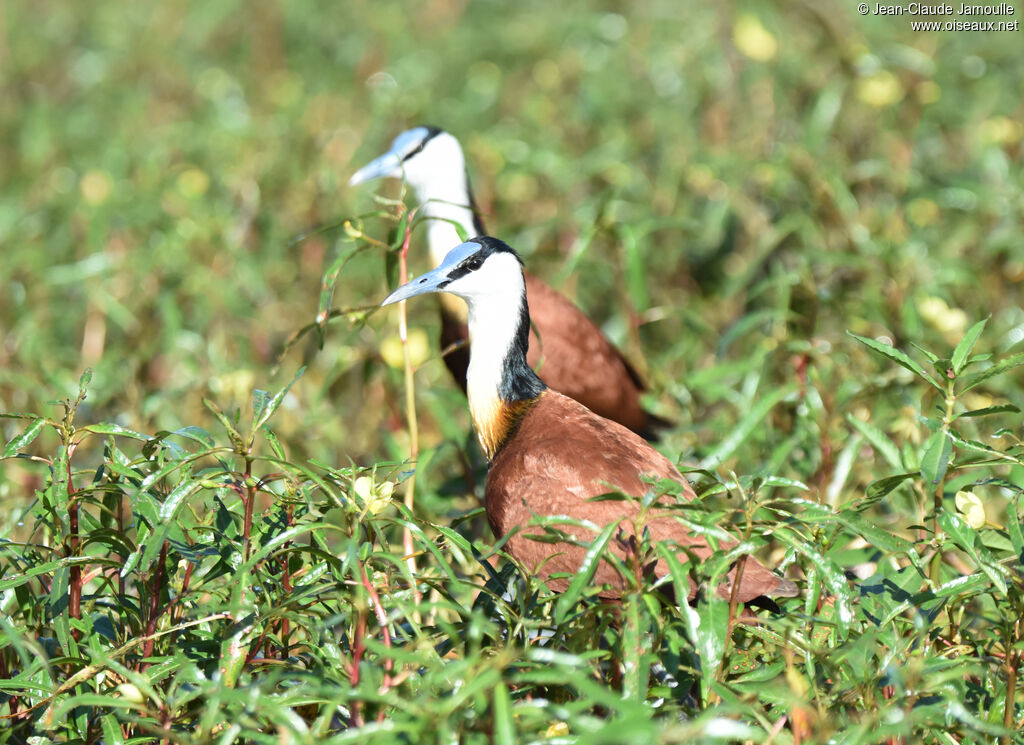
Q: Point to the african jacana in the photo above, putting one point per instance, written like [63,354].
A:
[549,455]
[574,356]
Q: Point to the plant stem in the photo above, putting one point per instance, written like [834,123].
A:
[250,499]
[410,401]
[75,580]
[1013,658]
[154,604]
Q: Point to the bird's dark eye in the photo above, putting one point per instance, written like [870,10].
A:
[473,263]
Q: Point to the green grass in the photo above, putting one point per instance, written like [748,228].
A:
[803,224]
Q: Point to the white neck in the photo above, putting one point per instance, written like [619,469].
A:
[494,317]
[438,178]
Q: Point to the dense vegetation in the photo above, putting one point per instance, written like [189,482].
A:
[804,225]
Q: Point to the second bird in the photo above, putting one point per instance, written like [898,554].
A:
[570,353]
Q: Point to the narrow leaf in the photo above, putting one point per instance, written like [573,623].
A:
[746,426]
[23,440]
[897,356]
[584,576]
[963,350]
[997,369]
[19,579]
[965,538]
[879,440]
[880,487]
[197,434]
[876,536]
[1015,527]
[275,402]
[109,428]
[504,728]
[1003,408]
[935,460]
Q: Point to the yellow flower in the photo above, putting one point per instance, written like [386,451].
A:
[557,729]
[419,349]
[193,183]
[880,89]
[950,321]
[96,187]
[375,497]
[1001,130]
[130,692]
[753,39]
[969,505]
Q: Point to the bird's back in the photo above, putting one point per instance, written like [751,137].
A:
[562,456]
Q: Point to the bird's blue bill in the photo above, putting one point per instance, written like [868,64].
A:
[436,279]
[385,165]
[390,163]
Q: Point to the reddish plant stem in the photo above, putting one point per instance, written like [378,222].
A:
[286,584]
[357,657]
[156,584]
[1009,704]
[5,674]
[733,603]
[250,501]
[382,619]
[121,579]
[189,567]
[75,582]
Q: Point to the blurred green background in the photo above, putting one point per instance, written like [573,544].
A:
[726,190]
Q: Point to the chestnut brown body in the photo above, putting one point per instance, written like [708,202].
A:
[558,459]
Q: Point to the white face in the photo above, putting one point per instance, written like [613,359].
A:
[436,171]
[498,281]
[493,282]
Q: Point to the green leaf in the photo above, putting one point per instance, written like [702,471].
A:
[900,358]
[879,440]
[997,369]
[932,357]
[111,729]
[504,726]
[260,399]
[17,580]
[109,428]
[834,579]
[1015,527]
[935,460]
[584,576]
[235,646]
[196,434]
[876,536]
[637,281]
[963,350]
[880,487]
[746,426]
[712,633]
[969,584]
[236,439]
[1004,408]
[274,403]
[19,442]
[966,538]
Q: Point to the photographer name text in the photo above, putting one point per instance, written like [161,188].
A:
[921,9]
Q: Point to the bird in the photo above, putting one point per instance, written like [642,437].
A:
[549,455]
[568,349]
